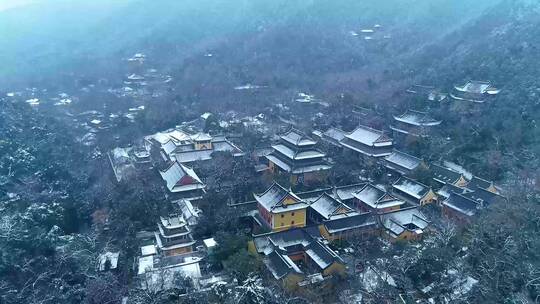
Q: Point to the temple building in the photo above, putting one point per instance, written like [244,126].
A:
[333,136]
[444,175]
[461,204]
[296,254]
[327,207]
[357,226]
[460,208]
[182,181]
[480,183]
[429,92]
[174,236]
[474,91]
[404,224]
[281,209]
[403,163]
[414,123]
[175,144]
[376,200]
[297,156]
[413,191]
[367,141]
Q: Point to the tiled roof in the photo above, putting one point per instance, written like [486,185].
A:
[265,243]
[403,160]
[444,175]
[376,198]
[477,182]
[417,118]
[351,222]
[462,204]
[273,199]
[410,219]
[180,178]
[329,207]
[411,187]
[280,265]
[369,136]
[297,138]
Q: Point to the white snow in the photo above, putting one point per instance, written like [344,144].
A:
[453,166]
[413,190]
[148,250]
[366,136]
[206,115]
[210,243]
[112,257]
[146,264]
[371,279]
[33,101]
[248,87]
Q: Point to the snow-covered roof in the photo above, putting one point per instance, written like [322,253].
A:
[162,243]
[148,250]
[477,182]
[311,168]
[462,204]
[176,136]
[189,212]
[345,193]
[405,219]
[460,169]
[403,160]
[278,199]
[283,165]
[334,134]
[369,136]
[321,255]
[444,175]
[192,156]
[297,138]
[280,265]
[201,137]
[112,257]
[448,189]
[411,187]
[266,243]
[477,87]
[173,221]
[181,178]
[417,118]
[328,207]
[210,243]
[350,222]
[146,263]
[120,154]
[298,155]
[377,198]
[206,115]
[297,168]
[369,194]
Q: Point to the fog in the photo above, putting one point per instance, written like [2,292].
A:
[41,36]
